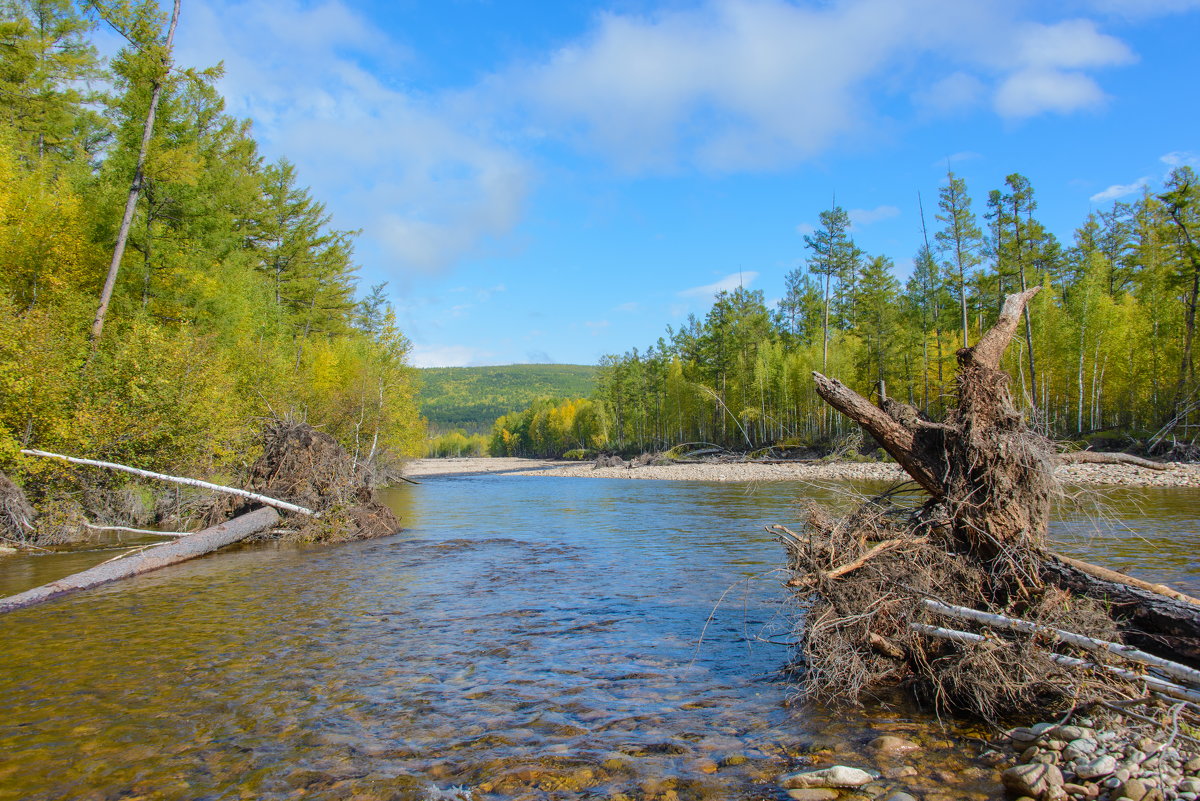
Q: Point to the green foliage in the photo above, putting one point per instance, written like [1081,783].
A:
[551,429]
[1109,342]
[235,300]
[457,443]
[472,398]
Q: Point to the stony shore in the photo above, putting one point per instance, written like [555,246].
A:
[1178,475]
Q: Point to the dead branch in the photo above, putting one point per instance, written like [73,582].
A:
[189,482]
[1092,457]
[895,438]
[875,550]
[1159,685]
[198,544]
[1174,669]
[991,347]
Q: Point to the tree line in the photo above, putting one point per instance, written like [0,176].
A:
[1107,345]
[163,287]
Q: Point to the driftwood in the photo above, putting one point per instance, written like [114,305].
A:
[1158,685]
[1157,618]
[1092,457]
[1173,669]
[188,482]
[198,544]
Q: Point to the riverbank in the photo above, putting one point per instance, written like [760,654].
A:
[1177,475]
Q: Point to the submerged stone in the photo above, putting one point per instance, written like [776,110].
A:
[836,776]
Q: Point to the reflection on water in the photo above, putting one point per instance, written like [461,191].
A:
[524,637]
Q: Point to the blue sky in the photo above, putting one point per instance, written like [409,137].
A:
[556,181]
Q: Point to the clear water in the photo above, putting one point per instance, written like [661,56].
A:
[523,638]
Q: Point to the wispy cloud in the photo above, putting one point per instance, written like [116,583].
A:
[629,308]
[421,181]
[726,284]
[734,85]
[863,217]
[1120,190]
[448,356]
[1181,158]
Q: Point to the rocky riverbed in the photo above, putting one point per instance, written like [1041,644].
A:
[1103,760]
[1177,475]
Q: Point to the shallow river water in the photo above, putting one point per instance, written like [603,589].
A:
[523,638]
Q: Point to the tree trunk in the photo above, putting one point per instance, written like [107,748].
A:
[135,187]
[189,547]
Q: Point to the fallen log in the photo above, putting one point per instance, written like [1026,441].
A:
[188,482]
[1155,618]
[189,547]
[1152,682]
[1092,457]
[1174,669]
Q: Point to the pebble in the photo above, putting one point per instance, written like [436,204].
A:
[1102,766]
[813,794]
[836,776]
[1138,790]
[900,796]
[889,744]
[1033,780]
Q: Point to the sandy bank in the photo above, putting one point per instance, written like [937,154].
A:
[1122,475]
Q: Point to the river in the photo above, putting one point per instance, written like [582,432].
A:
[523,638]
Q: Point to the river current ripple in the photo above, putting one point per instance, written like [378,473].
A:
[523,638]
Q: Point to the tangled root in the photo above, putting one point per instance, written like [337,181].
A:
[862,580]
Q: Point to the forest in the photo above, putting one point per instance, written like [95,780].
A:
[165,289]
[1105,350]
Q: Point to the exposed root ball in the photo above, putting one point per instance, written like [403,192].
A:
[862,580]
[308,467]
[16,515]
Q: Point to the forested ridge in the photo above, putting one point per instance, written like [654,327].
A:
[471,398]
[1106,346]
[234,299]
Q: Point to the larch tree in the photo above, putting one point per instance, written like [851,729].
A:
[960,240]
[147,57]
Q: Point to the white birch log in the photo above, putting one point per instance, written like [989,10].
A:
[170,553]
[1173,669]
[188,482]
[1158,685]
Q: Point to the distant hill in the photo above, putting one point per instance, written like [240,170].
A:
[472,398]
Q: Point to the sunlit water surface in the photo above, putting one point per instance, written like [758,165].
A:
[523,638]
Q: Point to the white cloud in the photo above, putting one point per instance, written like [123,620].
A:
[1049,60]
[734,85]
[726,284]
[629,308]
[423,183]
[597,327]
[1120,190]
[1181,158]
[448,356]
[806,229]
[1036,91]
[863,217]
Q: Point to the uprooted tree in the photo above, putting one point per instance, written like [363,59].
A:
[880,584]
